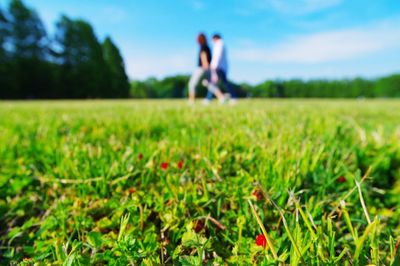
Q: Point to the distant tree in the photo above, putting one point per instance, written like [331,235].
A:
[265,89]
[143,89]
[83,73]
[4,33]
[29,36]
[388,86]
[169,87]
[360,87]
[119,87]
[29,48]
[173,87]
[138,90]
[7,80]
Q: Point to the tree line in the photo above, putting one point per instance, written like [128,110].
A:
[176,87]
[71,64]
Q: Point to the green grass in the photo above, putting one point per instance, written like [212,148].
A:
[82,183]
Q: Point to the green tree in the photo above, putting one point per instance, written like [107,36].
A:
[388,86]
[83,73]
[28,33]
[7,81]
[173,87]
[4,33]
[119,87]
[29,47]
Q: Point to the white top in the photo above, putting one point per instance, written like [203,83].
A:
[219,58]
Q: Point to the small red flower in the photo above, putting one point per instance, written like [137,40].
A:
[261,241]
[258,194]
[140,156]
[132,190]
[180,165]
[341,179]
[164,166]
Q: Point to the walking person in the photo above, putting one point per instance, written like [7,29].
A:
[219,70]
[203,68]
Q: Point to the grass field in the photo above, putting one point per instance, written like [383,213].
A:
[158,182]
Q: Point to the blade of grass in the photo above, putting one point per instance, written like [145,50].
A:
[285,224]
[350,192]
[362,239]
[347,219]
[303,215]
[269,242]
[363,202]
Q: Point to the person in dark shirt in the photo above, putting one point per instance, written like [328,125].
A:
[203,68]
[205,52]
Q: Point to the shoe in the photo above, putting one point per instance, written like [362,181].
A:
[222,101]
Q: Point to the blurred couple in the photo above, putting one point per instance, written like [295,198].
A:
[212,70]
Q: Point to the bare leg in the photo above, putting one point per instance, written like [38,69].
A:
[194,80]
[192,96]
[219,95]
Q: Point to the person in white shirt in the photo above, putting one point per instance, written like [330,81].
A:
[219,70]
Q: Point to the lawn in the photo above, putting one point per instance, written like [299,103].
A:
[266,182]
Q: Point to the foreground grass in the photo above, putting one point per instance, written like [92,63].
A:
[158,182]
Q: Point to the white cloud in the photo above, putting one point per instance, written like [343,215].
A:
[298,7]
[325,47]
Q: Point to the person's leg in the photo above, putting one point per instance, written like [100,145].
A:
[227,84]
[193,82]
[206,83]
[210,95]
[213,89]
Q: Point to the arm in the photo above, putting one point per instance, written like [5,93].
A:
[204,61]
[214,76]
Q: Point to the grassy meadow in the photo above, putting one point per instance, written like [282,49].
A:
[265,182]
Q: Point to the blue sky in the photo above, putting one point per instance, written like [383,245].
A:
[266,39]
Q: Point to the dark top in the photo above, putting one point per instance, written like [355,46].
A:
[206,49]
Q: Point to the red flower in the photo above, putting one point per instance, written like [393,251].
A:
[258,194]
[164,166]
[140,156]
[132,190]
[261,241]
[341,179]
[180,165]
